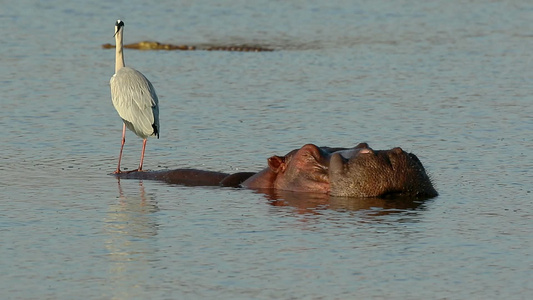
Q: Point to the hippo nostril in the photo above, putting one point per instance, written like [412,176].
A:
[397,150]
[366,150]
[362,145]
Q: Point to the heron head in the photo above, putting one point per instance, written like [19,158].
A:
[118,25]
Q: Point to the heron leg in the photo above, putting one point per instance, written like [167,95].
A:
[142,155]
[121,148]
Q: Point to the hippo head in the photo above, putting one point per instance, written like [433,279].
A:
[349,172]
[363,172]
[301,170]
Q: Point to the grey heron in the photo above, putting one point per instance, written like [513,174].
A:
[134,98]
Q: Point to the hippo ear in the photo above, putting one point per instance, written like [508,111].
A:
[313,151]
[276,163]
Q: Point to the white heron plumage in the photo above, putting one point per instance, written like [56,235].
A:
[134,98]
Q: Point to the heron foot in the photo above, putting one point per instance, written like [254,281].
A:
[131,171]
[119,172]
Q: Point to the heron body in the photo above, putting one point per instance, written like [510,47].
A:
[134,98]
[136,102]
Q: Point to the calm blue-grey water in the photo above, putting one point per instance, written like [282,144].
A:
[448,80]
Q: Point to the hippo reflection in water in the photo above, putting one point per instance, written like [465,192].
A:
[346,172]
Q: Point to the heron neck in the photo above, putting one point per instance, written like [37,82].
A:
[119,58]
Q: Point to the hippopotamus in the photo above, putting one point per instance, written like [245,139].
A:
[359,171]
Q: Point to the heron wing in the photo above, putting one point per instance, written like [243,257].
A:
[136,101]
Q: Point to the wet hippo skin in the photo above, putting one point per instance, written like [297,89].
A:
[359,171]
